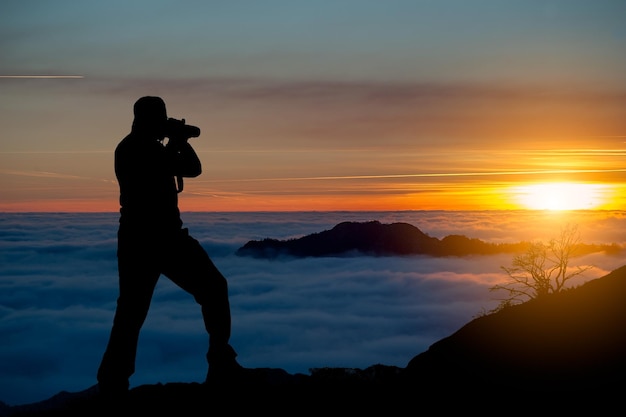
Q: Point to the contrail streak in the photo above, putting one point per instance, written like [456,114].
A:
[441,174]
[42,77]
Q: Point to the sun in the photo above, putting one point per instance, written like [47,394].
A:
[560,196]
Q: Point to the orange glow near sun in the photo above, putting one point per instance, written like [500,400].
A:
[561,196]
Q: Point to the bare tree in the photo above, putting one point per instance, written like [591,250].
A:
[542,269]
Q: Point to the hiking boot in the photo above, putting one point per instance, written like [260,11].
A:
[112,392]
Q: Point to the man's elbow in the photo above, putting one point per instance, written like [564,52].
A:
[195,171]
[190,172]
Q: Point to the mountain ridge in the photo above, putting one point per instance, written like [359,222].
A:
[373,238]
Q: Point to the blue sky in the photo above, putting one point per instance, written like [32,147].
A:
[333,40]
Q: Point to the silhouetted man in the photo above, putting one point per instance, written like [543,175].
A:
[152,242]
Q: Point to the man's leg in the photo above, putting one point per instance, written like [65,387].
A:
[196,273]
[136,287]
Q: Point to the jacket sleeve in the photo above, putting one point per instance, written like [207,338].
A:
[185,161]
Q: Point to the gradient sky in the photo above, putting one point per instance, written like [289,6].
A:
[318,105]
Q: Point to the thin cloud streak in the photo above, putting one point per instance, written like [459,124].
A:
[438,174]
[57,175]
[43,77]
[43,174]
[64,152]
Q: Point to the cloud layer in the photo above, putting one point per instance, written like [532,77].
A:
[58,285]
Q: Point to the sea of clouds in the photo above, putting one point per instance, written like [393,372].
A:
[58,287]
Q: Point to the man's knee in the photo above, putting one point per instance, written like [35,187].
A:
[212,292]
[131,314]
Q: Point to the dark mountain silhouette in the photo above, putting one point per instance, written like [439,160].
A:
[377,239]
[563,352]
[571,341]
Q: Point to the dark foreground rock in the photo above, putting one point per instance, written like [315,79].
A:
[572,341]
[261,390]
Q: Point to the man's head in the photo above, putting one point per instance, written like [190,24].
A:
[150,116]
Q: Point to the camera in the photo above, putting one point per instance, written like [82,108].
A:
[178,129]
